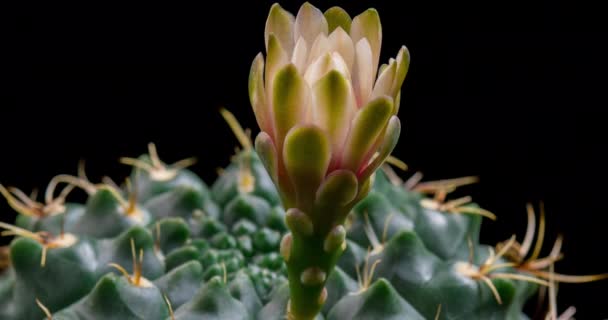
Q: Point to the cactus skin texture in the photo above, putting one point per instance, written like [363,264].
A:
[403,259]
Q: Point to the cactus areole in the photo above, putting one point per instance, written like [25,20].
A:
[308,221]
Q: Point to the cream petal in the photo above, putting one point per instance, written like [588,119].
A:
[367,25]
[403,64]
[339,65]
[318,69]
[340,41]
[384,85]
[318,48]
[300,55]
[280,23]
[276,59]
[363,80]
[257,94]
[323,65]
[310,22]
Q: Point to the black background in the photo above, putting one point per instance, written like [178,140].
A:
[510,92]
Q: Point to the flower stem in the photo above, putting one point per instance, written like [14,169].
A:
[308,268]
[311,252]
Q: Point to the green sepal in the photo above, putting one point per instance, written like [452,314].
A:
[212,302]
[114,298]
[379,301]
[337,17]
[267,152]
[334,105]
[387,145]
[339,188]
[307,153]
[279,23]
[367,127]
[291,100]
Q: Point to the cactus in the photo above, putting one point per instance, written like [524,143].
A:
[274,237]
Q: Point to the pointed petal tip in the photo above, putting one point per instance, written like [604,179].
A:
[337,18]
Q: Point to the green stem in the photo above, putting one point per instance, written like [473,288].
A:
[312,249]
[308,268]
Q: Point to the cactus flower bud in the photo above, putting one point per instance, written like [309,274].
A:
[327,113]
[319,85]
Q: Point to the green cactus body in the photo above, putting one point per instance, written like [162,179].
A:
[402,260]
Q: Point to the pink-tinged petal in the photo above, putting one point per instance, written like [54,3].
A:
[275,61]
[337,18]
[267,152]
[338,188]
[367,126]
[318,69]
[319,47]
[339,65]
[257,95]
[363,79]
[306,155]
[340,41]
[387,145]
[325,64]
[310,22]
[280,23]
[367,25]
[333,105]
[300,55]
[403,64]
[397,102]
[384,85]
[291,101]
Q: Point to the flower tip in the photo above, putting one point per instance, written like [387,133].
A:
[338,18]
[276,8]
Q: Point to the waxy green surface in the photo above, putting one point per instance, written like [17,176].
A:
[225,264]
